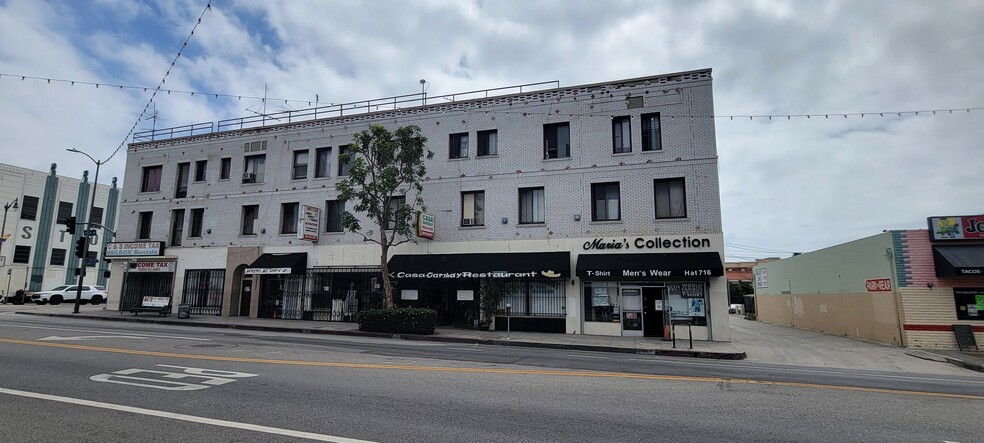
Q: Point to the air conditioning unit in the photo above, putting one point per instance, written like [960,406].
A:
[467,222]
[249,177]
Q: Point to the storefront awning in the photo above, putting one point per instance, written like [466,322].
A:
[485,265]
[959,260]
[274,264]
[649,266]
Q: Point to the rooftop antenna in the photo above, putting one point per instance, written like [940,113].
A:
[153,117]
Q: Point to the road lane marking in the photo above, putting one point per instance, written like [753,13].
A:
[831,371]
[183,417]
[490,370]
[589,356]
[88,337]
[102,332]
[210,377]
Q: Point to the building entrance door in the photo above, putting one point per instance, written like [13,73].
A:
[244,296]
[631,311]
[653,313]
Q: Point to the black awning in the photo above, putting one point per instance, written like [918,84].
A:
[484,265]
[649,266]
[266,264]
[959,260]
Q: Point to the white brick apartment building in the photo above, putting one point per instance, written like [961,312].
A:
[38,253]
[598,204]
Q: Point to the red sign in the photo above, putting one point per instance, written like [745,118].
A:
[956,227]
[878,285]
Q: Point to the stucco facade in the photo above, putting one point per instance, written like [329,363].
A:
[842,290]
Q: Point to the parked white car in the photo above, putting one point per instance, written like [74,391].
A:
[90,294]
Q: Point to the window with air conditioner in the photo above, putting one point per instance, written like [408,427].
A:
[253,168]
[473,208]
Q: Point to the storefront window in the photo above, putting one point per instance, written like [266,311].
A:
[542,298]
[688,301]
[601,302]
[970,303]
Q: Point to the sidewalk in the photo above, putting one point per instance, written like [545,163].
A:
[634,345]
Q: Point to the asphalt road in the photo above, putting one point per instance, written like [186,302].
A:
[82,380]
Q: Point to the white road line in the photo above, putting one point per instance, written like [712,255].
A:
[814,371]
[589,356]
[103,332]
[466,349]
[183,417]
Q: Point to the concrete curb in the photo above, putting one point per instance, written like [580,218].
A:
[436,338]
[942,358]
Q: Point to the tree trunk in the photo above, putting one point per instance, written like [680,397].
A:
[387,285]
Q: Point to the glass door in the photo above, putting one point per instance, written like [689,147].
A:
[631,310]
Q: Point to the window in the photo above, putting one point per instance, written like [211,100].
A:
[488,143]
[144,220]
[253,171]
[29,208]
[557,140]
[967,300]
[601,302]
[458,148]
[534,297]
[605,199]
[343,164]
[322,162]
[200,167]
[203,290]
[197,218]
[177,226]
[333,213]
[225,168]
[288,218]
[651,137]
[396,206]
[57,257]
[621,135]
[181,189]
[531,205]
[22,254]
[96,215]
[151,179]
[250,214]
[670,198]
[473,208]
[300,165]
[64,212]
[91,259]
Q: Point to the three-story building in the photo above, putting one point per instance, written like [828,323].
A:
[598,206]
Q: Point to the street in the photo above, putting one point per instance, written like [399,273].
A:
[83,380]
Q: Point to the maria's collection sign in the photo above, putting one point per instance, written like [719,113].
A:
[647,243]
[964,227]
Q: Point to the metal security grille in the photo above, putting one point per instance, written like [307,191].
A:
[338,294]
[139,284]
[203,290]
[535,298]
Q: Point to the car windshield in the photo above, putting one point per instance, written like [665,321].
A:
[58,288]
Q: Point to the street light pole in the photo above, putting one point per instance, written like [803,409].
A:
[3,231]
[85,250]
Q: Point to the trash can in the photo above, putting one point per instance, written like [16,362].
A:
[184,310]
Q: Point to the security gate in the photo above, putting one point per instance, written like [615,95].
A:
[138,284]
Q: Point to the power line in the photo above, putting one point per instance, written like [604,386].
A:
[208,7]
[761,117]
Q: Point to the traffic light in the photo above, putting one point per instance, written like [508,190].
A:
[80,245]
[70,223]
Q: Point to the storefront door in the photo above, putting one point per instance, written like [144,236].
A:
[653,314]
[244,296]
[632,311]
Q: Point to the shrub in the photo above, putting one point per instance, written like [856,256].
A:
[399,321]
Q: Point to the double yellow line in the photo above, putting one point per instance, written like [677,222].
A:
[488,370]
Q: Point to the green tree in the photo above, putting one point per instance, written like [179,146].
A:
[385,183]
[737,290]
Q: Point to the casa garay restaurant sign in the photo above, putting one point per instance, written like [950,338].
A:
[964,227]
[481,265]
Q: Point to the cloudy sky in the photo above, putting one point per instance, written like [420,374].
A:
[796,184]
